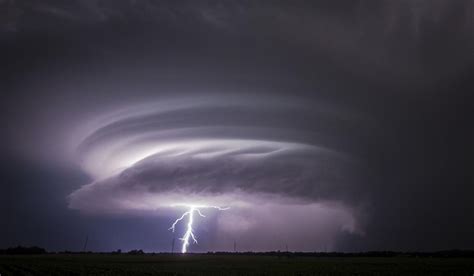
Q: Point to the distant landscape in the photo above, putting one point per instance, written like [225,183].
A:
[37,261]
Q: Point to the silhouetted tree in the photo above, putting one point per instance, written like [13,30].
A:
[136,252]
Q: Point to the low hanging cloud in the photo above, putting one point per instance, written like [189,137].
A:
[245,153]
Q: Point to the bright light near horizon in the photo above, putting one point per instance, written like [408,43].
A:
[189,234]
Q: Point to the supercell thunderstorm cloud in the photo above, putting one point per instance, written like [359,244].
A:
[221,151]
[316,125]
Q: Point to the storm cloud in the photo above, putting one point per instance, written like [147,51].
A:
[237,151]
[220,145]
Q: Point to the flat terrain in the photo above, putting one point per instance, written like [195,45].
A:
[202,264]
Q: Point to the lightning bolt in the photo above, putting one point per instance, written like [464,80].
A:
[189,234]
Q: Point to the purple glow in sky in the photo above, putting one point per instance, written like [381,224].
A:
[217,152]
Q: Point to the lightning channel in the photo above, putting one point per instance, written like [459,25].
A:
[189,234]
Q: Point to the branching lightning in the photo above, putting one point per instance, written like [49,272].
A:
[189,234]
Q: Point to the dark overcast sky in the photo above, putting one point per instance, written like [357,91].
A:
[347,125]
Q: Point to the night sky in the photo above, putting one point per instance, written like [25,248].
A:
[323,125]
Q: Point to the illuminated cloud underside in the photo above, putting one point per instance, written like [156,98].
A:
[213,152]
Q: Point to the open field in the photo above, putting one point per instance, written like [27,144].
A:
[201,264]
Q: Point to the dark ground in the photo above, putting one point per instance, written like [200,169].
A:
[202,264]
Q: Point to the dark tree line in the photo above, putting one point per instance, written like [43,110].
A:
[34,250]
